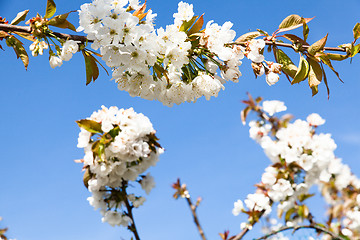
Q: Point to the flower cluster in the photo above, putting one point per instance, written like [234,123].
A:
[120,145]
[301,158]
[65,53]
[179,63]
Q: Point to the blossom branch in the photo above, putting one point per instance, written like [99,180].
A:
[181,191]
[296,228]
[27,29]
[196,220]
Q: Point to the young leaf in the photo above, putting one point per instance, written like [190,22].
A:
[302,72]
[3,34]
[317,46]
[325,59]
[92,70]
[325,80]
[354,50]
[50,9]
[337,57]
[87,176]
[19,17]
[305,30]
[288,66]
[187,24]
[262,32]
[248,36]
[356,31]
[314,90]
[244,114]
[315,73]
[90,125]
[61,22]
[197,25]
[291,22]
[140,13]
[295,39]
[19,50]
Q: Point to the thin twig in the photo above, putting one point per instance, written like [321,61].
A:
[196,220]
[295,228]
[27,29]
[335,49]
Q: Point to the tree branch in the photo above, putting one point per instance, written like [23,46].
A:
[288,45]
[27,29]
[196,220]
[295,228]
[129,208]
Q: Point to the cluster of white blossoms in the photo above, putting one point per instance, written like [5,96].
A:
[175,64]
[301,159]
[69,47]
[120,145]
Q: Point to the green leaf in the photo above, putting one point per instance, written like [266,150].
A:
[303,197]
[356,31]
[314,90]
[90,125]
[19,17]
[325,81]
[354,50]
[317,46]
[262,32]
[294,39]
[315,73]
[248,36]
[305,29]
[288,67]
[302,72]
[19,49]
[336,57]
[50,9]
[114,132]
[291,22]
[197,25]
[289,213]
[61,22]
[92,70]
[187,24]
[325,59]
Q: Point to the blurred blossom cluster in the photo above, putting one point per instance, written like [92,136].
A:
[120,145]
[301,158]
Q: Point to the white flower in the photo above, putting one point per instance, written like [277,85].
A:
[258,202]
[272,78]
[274,106]
[255,46]
[281,190]
[147,183]
[113,218]
[68,49]
[55,61]
[314,119]
[185,13]
[238,207]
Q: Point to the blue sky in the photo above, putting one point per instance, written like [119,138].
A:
[42,195]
